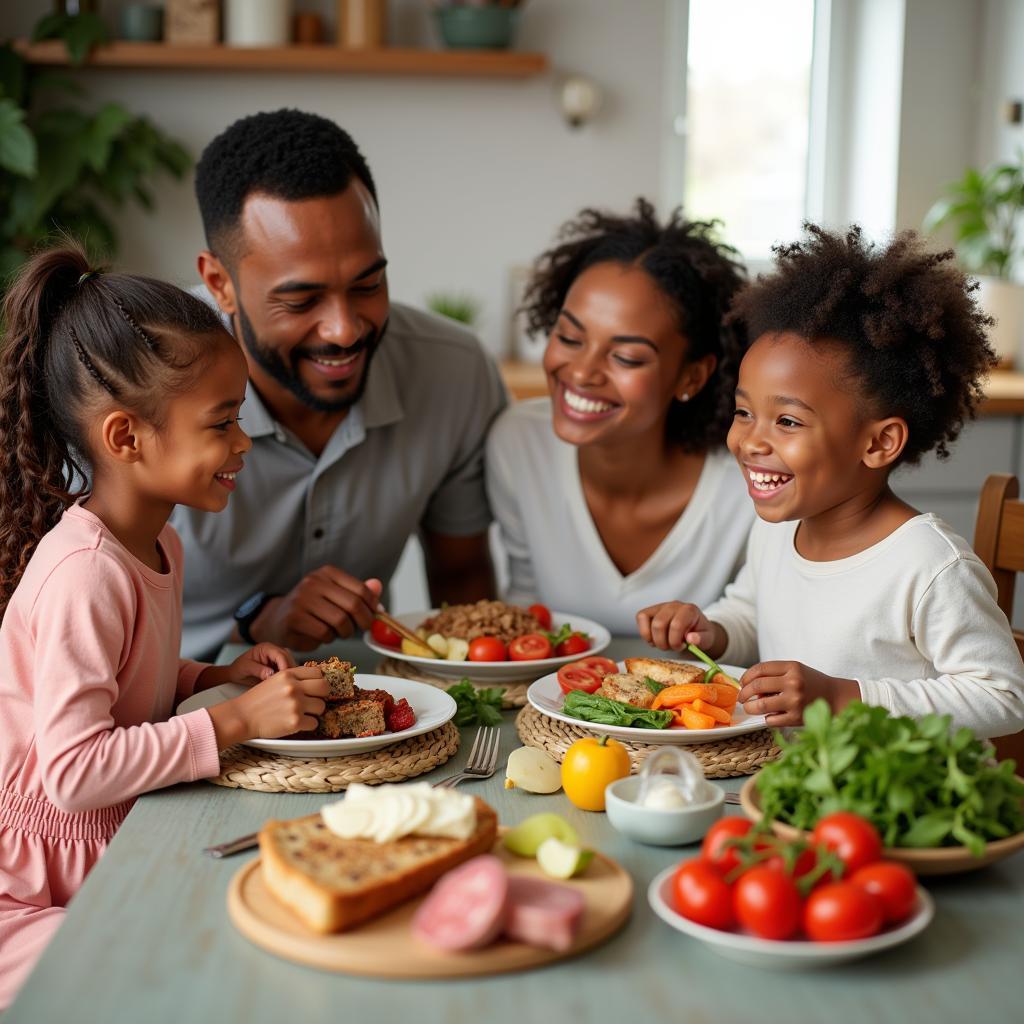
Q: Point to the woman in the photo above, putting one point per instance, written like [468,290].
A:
[617,490]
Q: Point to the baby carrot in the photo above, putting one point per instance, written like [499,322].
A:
[720,715]
[693,719]
[672,696]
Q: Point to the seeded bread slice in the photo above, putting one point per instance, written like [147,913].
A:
[340,676]
[351,718]
[335,884]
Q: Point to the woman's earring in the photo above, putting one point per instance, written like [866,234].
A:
[685,396]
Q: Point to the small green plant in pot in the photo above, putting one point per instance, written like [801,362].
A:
[984,210]
[64,168]
[455,306]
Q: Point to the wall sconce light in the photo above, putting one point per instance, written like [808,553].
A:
[579,99]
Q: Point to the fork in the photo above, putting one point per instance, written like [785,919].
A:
[482,761]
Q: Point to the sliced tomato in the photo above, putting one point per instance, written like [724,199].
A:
[595,663]
[542,613]
[575,644]
[486,648]
[384,635]
[573,677]
[529,647]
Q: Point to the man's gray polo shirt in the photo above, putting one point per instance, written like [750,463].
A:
[409,454]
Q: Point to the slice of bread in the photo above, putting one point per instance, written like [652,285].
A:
[340,676]
[627,688]
[670,673]
[335,884]
[351,718]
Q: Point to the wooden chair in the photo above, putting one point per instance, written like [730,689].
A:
[999,543]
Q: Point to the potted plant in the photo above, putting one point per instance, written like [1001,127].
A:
[477,24]
[984,209]
[63,168]
[456,306]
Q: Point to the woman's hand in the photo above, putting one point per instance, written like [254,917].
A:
[780,690]
[286,702]
[260,662]
[672,625]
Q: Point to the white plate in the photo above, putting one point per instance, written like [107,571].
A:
[547,697]
[790,953]
[433,708]
[496,671]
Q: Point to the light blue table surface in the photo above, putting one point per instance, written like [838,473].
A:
[148,940]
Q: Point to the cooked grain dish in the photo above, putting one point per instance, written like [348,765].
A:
[485,618]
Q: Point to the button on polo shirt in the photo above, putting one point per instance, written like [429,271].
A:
[408,454]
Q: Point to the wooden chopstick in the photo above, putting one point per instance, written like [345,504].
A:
[403,631]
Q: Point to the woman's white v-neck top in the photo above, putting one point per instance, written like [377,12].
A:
[555,552]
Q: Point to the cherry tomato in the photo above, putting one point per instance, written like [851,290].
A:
[486,648]
[767,903]
[714,851]
[854,839]
[595,663]
[842,911]
[574,677]
[805,862]
[529,647]
[384,635]
[577,643]
[542,614]
[894,885]
[701,894]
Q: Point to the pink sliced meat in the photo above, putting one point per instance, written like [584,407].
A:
[543,913]
[467,907]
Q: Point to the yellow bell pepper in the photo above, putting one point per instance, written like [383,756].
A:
[587,768]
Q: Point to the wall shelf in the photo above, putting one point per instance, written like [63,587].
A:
[319,58]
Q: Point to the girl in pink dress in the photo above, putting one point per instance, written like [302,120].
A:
[134,384]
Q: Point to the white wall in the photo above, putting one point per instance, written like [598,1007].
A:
[474,175]
[1001,79]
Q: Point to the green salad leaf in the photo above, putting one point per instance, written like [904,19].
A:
[604,711]
[476,706]
[653,685]
[919,782]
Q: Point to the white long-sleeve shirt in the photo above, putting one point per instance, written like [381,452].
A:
[555,551]
[913,619]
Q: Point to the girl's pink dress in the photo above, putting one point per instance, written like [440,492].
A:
[89,678]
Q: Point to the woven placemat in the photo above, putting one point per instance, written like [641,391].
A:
[720,759]
[246,768]
[514,696]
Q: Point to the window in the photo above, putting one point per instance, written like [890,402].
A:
[745,118]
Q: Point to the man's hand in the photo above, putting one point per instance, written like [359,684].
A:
[327,603]
[672,625]
[780,690]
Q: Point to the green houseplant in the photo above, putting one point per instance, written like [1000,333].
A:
[65,168]
[984,209]
[455,306]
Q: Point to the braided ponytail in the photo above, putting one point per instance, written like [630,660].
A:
[74,342]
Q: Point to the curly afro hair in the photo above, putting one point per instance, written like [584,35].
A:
[287,154]
[914,336]
[696,273]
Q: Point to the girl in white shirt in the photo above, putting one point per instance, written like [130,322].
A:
[618,488]
[864,359]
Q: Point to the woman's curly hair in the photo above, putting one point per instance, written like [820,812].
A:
[913,332]
[698,275]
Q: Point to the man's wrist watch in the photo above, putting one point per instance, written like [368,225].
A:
[247,612]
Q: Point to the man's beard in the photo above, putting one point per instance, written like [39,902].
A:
[288,377]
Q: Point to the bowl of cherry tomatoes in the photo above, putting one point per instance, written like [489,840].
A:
[765,901]
[564,638]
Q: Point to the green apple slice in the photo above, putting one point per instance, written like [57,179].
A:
[525,839]
[562,860]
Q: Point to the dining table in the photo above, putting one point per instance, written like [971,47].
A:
[148,938]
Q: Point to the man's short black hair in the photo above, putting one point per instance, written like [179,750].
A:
[286,154]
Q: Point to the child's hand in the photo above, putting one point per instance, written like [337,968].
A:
[260,662]
[673,625]
[780,690]
[287,702]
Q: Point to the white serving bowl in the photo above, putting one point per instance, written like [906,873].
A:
[657,827]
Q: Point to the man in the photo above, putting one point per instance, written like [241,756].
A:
[368,418]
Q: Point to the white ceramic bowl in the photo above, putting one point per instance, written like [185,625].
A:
[789,954]
[656,827]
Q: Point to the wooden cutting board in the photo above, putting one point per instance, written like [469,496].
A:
[385,947]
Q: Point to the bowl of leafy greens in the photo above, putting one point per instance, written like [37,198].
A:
[939,800]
